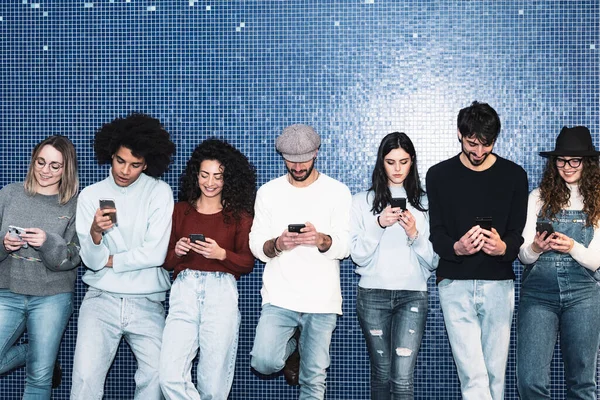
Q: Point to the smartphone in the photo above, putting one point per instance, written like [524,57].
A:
[484,222]
[197,237]
[109,203]
[16,232]
[295,227]
[542,227]
[398,202]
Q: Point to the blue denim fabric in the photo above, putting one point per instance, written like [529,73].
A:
[478,315]
[272,346]
[103,320]
[203,318]
[393,322]
[558,294]
[45,318]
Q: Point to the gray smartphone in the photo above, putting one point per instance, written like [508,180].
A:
[16,232]
[109,203]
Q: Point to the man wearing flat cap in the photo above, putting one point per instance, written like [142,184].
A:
[301,294]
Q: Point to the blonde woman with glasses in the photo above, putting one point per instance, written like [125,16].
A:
[38,261]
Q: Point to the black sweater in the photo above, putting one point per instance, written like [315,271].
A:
[457,195]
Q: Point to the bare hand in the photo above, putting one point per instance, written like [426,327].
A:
[209,249]
[542,242]
[389,216]
[407,221]
[182,247]
[12,243]
[493,243]
[102,222]
[561,242]
[470,243]
[34,236]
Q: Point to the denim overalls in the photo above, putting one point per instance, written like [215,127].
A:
[559,295]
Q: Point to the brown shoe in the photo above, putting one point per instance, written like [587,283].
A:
[291,371]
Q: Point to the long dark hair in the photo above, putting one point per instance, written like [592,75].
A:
[555,194]
[239,178]
[412,183]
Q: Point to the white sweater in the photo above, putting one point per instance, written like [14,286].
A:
[384,259]
[588,257]
[138,242]
[302,279]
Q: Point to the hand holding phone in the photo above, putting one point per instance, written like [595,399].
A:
[109,204]
[15,232]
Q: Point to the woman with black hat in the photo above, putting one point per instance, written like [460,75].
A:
[560,287]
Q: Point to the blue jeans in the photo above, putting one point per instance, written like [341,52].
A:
[203,318]
[478,315]
[392,322]
[103,320]
[558,294]
[272,346]
[45,318]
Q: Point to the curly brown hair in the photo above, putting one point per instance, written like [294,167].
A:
[555,194]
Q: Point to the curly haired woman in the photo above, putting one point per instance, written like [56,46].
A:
[216,200]
[560,288]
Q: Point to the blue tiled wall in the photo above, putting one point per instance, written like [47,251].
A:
[243,70]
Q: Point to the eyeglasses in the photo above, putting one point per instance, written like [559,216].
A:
[573,162]
[55,166]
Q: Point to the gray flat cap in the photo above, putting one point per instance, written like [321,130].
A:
[298,143]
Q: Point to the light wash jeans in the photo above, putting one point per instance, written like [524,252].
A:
[559,295]
[393,323]
[103,320]
[272,346]
[478,315]
[203,318]
[45,318]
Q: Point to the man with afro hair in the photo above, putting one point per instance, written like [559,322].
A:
[123,246]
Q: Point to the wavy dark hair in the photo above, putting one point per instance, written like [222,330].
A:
[143,135]
[239,178]
[555,194]
[380,185]
[479,120]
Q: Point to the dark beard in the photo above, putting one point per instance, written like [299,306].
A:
[305,176]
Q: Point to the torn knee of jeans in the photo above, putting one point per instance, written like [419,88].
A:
[376,332]
[403,352]
[411,331]
[380,352]
[414,309]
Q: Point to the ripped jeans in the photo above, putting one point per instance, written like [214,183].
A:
[393,322]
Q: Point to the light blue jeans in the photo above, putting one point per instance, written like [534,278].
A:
[45,318]
[272,346]
[478,315]
[203,318]
[103,320]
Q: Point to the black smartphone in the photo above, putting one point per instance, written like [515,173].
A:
[542,227]
[295,227]
[197,237]
[109,203]
[484,222]
[398,202]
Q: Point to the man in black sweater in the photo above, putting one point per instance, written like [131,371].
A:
[477,208]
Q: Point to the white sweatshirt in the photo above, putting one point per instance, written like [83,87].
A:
[302,279]
[138,242]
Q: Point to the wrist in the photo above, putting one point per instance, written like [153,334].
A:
[276,250]
[535,248]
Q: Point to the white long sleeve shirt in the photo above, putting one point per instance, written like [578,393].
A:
[588,257]
[384,259]
[302,279]
[138,242]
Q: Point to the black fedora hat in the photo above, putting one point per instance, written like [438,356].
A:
[573,142]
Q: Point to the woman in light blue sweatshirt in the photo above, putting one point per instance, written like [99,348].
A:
[389,229]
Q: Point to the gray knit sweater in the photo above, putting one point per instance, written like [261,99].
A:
[52,268]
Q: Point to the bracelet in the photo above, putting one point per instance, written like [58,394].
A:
[410,241]
[379,223]
[275,249]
